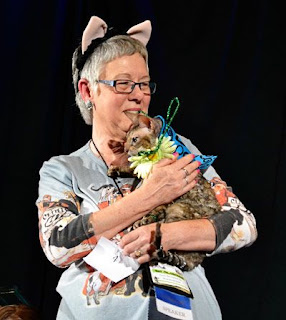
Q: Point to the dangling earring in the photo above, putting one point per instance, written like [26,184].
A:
[88,105]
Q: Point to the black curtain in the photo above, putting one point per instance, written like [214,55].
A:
[224,60]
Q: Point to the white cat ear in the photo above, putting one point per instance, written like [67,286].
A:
[141,31]
[96,28]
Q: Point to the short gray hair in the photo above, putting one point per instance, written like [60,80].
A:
[107,51]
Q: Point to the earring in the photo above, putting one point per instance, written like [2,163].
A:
[88,105]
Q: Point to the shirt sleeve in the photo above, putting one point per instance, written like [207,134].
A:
[235,225]
[65,234]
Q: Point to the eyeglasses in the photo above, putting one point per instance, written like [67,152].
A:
[127,86]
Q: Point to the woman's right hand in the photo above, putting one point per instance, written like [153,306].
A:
[171,178]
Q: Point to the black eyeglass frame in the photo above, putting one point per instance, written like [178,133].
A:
[112,83]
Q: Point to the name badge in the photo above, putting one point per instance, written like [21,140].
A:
[173,295]
[173,304]
[170,278]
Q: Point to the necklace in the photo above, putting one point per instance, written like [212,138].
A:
[114,179]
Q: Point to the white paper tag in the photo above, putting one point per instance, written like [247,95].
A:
[108,259]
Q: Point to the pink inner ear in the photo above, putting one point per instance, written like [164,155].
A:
[144,121]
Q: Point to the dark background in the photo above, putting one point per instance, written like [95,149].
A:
[225,60]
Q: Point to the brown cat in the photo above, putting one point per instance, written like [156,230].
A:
[199,202]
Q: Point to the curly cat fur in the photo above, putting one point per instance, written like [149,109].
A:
[199,202]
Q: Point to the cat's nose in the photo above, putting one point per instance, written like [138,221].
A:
[132,151]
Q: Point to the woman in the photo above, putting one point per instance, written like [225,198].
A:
[78,203]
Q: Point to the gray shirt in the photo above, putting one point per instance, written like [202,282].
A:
[73,186]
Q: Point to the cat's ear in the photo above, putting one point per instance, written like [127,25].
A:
[156,125]
[116,146]
[144,122]
[153,124]
[133,117]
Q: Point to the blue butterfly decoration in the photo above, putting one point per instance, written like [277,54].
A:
[182,150]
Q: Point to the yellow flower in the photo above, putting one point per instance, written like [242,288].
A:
[143,163]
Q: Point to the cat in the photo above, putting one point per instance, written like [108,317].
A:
[199,202]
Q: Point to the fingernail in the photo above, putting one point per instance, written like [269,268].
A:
[199,162]
[198,170]
[175,153]
[193,157]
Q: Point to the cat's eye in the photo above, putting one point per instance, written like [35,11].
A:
[134,139]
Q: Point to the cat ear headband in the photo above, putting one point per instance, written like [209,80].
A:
[97,28]
[96,32]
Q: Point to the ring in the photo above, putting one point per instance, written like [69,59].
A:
[186,172]
[138,253]
[186,181]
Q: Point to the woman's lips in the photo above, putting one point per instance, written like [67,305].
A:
[133,110]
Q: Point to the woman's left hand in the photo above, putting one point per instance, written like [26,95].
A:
[138,243]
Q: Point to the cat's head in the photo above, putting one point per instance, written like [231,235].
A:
[142,134]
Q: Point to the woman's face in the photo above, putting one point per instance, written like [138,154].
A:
[110,109]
